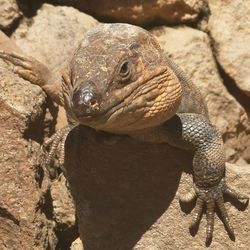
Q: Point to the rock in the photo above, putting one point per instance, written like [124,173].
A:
[77,245]
[141,12]
[9,13]
[229,27]
[126,196]
[191,50]
[175,223]
[16,92]
[23,183]
[53,34]
[63,211]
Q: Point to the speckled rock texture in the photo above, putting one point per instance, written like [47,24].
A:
[76,245]
[9,13]
[23,183]
[186,44]
[142,12]
[127,196]
[229,27]
[53,34]
[63,211]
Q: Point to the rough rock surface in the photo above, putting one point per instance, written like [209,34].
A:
[141,12]
[23,184]
[63,211]
[127,196]
[9,13]
[229,27]
[76,245]
[191,50]
[53,45]
[53,34]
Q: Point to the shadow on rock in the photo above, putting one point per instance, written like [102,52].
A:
[120,186]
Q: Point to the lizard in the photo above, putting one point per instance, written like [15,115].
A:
[120,81]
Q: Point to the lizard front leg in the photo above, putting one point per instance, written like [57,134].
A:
[51,82]
[196,132]
[37,73]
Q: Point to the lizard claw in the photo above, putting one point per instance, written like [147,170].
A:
[212,197]
[16,59]
[27,67]
[56,143]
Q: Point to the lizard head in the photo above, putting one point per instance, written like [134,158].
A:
[119,81]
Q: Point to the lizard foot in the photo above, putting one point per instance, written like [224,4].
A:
[56,143]
[27,67]
[211,197]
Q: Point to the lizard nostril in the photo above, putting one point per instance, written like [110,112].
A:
[84,101]
[93,103]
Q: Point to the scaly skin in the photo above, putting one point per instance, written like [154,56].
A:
[120,81]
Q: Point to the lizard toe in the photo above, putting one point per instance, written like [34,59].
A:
[56,143]
[211,197]
[26,67]
[235,194]
[16,59]
[210,220]
[224,215]
[197,212]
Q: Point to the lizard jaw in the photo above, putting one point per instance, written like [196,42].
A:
[138,106]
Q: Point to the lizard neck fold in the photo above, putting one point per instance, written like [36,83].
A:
[152,103]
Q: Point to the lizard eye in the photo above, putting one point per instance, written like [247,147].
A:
[124,71]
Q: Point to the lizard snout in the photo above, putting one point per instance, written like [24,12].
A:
[85,101]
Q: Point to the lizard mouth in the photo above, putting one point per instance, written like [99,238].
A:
[140,104]
[125,98]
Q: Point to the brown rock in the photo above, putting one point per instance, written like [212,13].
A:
[53,34]
[76,245]
[191,50]
[229,27]
[141,12]
[126,196]
[63,211]
[7,45]
[9,13]
[23,184]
